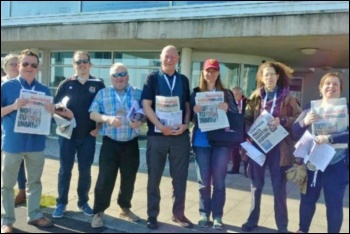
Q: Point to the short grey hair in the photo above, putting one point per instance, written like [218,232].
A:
[115,67]
[7,59]
[238,88]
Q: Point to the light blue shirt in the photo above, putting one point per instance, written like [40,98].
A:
[109,102]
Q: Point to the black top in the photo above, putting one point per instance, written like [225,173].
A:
[80,99]
[155,86]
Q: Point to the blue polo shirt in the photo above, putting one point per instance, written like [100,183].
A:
[12,142]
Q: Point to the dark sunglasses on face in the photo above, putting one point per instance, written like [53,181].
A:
[121,74]
[33,65]
[85,61]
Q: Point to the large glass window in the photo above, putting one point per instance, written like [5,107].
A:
[139,59]
[5,9]
[184,3]
[248,81]
[88,6]
[32,8]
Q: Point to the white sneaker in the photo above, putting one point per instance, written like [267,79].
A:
[97,220]
[127,214]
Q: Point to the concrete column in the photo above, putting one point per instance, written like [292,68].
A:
[45,67]
[186,62]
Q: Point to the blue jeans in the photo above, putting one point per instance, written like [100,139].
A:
[277,173]
[211,165]
[21,179]
[85,149]
[333,181]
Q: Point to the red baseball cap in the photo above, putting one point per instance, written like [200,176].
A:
[211,63]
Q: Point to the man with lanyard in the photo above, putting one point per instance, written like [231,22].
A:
[79,90]
[173,142]
[120,148]
[19,146]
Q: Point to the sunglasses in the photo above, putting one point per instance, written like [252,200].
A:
[33,65]
[12,64]
[85,61]
[119,74]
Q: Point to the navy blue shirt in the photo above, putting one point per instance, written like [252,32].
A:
[80,99]
[12,142]
[156,85]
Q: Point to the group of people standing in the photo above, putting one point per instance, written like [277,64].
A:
[103,110]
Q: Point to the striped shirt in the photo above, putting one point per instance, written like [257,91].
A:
[110,102]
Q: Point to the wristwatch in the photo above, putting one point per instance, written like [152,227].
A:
[330,139]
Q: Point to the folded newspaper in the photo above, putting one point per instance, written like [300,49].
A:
[168,112]
[318,154]
[64,126]
[211,117]
[254,153]
[333,116]
[265,134]
[33,118]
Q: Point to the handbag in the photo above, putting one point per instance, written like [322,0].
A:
[297,174]
[230,136]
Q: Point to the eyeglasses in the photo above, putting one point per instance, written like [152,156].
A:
[12,64]
[85,61]
[121,74]
[33,65]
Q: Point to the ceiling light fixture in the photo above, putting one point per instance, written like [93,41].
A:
[308,51]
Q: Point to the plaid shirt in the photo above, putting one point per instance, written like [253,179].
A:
[107,102]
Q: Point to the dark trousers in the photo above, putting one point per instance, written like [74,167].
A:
[257,175]
[115,156]
[333,181]
[85,149]
[158,149]
[236,158]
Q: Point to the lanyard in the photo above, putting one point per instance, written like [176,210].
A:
[172,86]
[273,103]
[22,85]
[124,97]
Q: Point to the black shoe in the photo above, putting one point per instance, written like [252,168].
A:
[183,221]
[247,227]
[283,230]
[152,223]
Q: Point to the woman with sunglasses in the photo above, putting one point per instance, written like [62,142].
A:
[79,90]
[11,71]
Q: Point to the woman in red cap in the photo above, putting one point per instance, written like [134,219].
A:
[211,161]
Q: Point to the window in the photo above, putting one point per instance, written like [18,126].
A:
[88,6]
[34,8]
[248,81]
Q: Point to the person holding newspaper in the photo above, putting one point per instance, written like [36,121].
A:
[272,95]
[11,72]
[120,148]
[166,92]
[211,161]
[334,179]
[73,99]
[18,146]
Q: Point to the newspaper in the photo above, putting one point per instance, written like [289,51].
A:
[318,154]
[333,116]
[254,153]
[264,134]
[33,118]
[64,126]
[168,112]
[211,117]
[135,112]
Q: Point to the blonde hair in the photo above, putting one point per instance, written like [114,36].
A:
[7,60]
[115,66]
